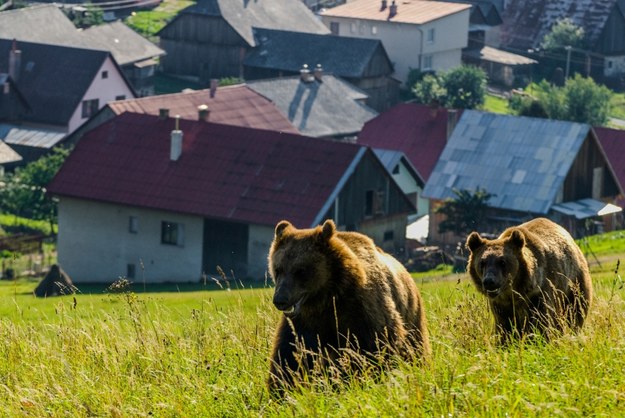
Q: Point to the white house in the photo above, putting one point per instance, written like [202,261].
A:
[417,34]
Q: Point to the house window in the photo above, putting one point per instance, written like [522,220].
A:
[120,97]
[427,62]
[334,28]
[353,27]
[131,271]
[374,203]
[133,224]
[431,35]
[374,30]
[105,74]
[388,236]
[396,169]
[90,107]
[172,233]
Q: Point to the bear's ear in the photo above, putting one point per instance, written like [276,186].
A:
[517,239]
[328,229]
[474,241]
[280,227]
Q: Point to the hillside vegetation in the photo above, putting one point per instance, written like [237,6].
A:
[124,352]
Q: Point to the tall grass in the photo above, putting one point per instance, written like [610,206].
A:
[205,353]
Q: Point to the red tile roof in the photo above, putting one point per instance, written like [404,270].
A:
[225,172]
[232,105]
[419,131]
[613,144]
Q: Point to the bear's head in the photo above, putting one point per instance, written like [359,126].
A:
[494,264]
[300,264]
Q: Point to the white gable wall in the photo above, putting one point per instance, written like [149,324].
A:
[104,89]
[407,43]
[95,245]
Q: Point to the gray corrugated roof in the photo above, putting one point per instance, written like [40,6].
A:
[586,208]
[126,45]
[329,108]
[48,24]
[522,160]
[31,137]
[339,55]
[243,15]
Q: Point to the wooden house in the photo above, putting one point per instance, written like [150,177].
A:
[532,167]
[211,38]
[361,62]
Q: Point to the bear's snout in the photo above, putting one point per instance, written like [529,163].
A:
[489,282]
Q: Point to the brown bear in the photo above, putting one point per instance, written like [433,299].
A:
[535,277]
[339,294]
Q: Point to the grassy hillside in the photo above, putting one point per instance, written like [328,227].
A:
[204,353]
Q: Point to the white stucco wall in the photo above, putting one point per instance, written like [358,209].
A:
[104,89]
[257,250]
[95,245]
[408,185]
[405,43]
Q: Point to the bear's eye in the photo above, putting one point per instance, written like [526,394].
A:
[502,264]
[482,264]
[300,272]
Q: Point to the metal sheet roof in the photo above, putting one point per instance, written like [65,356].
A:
[30,137]
[522,161]
[586,208]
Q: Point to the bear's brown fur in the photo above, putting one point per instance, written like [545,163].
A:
[339,293]
[535,277]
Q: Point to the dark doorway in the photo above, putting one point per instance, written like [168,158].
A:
[225,246]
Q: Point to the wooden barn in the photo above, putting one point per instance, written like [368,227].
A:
[362,62]
[211,38]
[532,167]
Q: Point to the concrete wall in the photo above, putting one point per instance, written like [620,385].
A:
[95,245]
[405,43]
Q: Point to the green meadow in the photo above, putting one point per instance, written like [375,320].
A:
[202,350]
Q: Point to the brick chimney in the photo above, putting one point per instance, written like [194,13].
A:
[203,113]
[318,73]
[392,10]
[213,88]
[176,141]
[15,62]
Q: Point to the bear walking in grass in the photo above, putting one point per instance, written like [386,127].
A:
[341,297]
[535,277]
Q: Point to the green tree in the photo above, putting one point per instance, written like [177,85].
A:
[465,86]
[587,101]
[464,213]
[429,90]
[23,193]
[564,33]
[579,100]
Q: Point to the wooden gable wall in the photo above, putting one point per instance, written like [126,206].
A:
[202,46]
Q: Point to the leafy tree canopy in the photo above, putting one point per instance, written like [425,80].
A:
[564,33]
[579,100]
[23,193]
[463,87]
